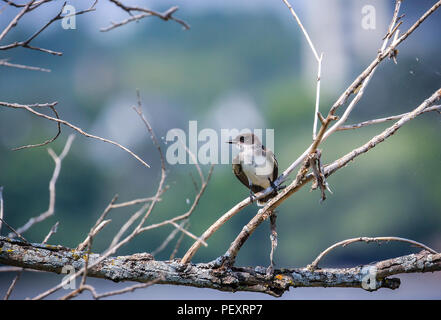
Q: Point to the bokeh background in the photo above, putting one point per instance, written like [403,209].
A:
[243,64]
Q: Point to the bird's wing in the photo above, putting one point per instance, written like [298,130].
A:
[238,172]
[276,166]
[268,152]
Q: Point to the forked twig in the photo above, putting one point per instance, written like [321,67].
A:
[52,190]
[68,124]
[144,12]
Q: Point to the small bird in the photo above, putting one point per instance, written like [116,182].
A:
[255,166]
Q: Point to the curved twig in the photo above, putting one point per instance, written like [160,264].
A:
[346,242]
[68,124]
[52,107]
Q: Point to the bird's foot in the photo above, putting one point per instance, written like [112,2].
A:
[274,187]
[252,196]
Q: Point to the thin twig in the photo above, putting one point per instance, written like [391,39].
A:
[178,243]
[166,16]
[52,183]
[177,226]
[14,21]
[303,30]
[388,132]
[51,232]
[5,63]
[354,88]
[319,66]
[213,228]
[170,237]
[127,225]
[12,286]
[66,123]
[16,269]
[344,243]
[382,120]
[11,235]
[26,43]
[185,215]
[114,25]
[35,5]
[52,107]
[317,98]
[133,202]
[132,288]
[93,232]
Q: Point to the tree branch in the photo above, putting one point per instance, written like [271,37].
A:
[381,120]
[52,191]
[143,268]
[344,243]
[166,16]
[301,180]
[5,63]
[356,87]
[68,124]
[26,43]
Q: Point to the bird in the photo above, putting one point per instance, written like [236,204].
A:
[255,166]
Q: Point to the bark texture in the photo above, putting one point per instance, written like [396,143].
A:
[141,267]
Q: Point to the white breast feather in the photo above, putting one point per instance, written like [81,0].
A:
[257,168]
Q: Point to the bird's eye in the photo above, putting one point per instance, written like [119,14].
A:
[241,139]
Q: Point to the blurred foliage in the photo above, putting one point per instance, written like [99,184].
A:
[393,190]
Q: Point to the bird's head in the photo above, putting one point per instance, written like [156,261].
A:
[245,139]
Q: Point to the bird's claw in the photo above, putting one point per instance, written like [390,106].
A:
[252,196]
[274,187]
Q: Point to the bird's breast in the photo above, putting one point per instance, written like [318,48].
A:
[258,169]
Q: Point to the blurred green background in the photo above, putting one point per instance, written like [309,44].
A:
[234,60]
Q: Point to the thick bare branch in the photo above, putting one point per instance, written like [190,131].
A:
[143,268]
